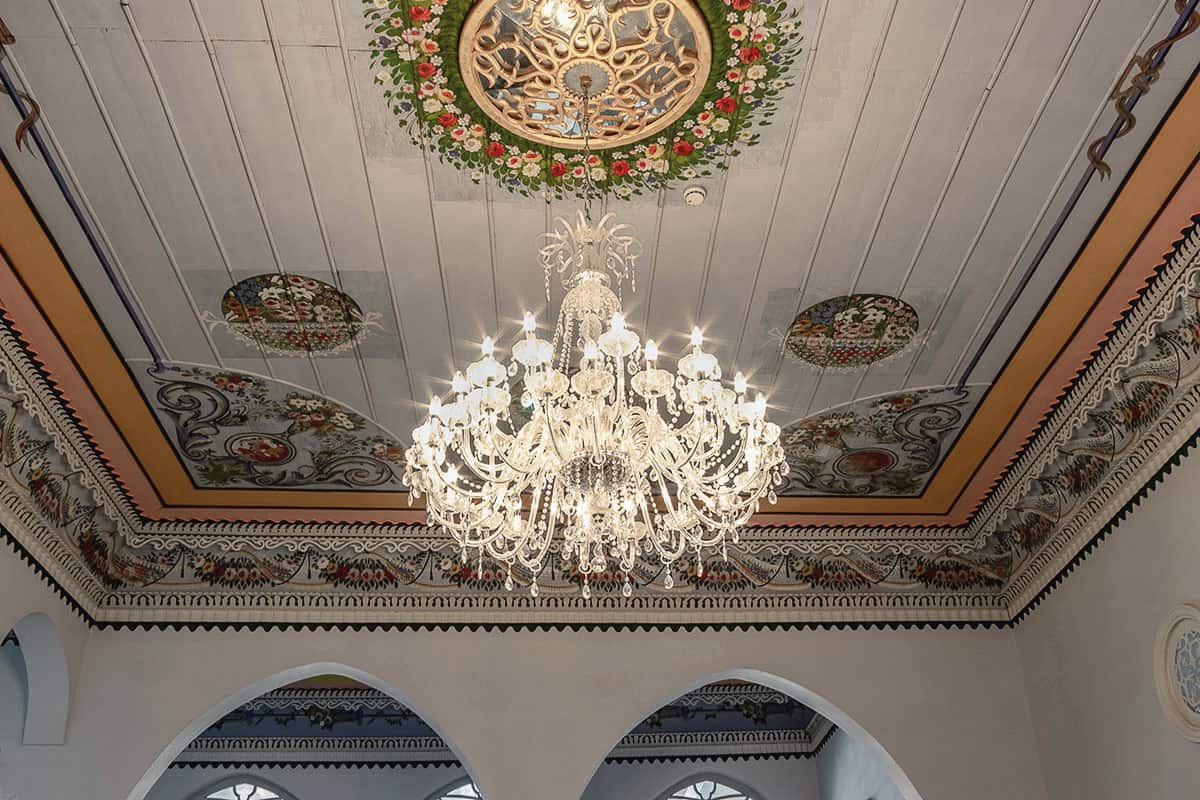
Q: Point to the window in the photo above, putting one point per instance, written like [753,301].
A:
[707,789]
[242,790]
[459,791]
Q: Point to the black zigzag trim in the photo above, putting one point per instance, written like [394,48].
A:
[46,577]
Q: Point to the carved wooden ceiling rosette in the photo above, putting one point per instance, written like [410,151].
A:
[497,87]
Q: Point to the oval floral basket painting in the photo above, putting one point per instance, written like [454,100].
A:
[670,89]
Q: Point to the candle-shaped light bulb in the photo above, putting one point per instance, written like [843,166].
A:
[739,383]
[488,346]
[697,337]
[451,475]
[529,324]
[590,351]
[459,383]
[651,350]
[618,322]
[760,406]
[435,406]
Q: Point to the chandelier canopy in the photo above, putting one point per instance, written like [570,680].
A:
[613,457]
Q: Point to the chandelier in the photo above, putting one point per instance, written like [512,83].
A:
[608,456]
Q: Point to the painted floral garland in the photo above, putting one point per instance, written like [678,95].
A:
[415,47]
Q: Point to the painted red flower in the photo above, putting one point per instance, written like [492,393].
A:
[423,14]
[740,5]
[620,168]
[749,54]
[558,169]
[727,105]
[426,70]
[495,149]
[683,148]
[447,120]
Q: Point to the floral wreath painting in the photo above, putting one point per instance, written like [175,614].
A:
[289,315]
[852,332]
[746,47]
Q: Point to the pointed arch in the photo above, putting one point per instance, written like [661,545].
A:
[262,789]
[47,679]
[816,702]
[244,695]
[697,787]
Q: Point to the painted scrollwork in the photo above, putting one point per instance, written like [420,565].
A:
[239,430]
[887,445]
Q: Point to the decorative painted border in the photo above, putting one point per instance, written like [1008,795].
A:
[362,749]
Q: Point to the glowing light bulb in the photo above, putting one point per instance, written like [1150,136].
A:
[459,383]
[451,475]
[697,337]
[529,324]
[435,406]
[488,346]
[618,323]
[739,383]
[590,351]
[760,406]
[651,350]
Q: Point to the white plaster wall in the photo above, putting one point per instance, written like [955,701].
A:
[1088,656]
[315,784]
[771,779]
[847,772]
[532,714]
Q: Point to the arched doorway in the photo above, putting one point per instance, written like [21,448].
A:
[748,735]
[324,730]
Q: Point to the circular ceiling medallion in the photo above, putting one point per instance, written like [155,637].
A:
[528,65]
[675,88]
[852,331]
[1177,669]
[292,314]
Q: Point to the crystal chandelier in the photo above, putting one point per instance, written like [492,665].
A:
[608,455]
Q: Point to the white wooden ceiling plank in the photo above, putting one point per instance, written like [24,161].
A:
[396,172]
[204,128]
[684,241]
[66,98]
[326,119]
[395,409]
[97,14]
[260,110]
[839,70]
[297,370]
[356,33]
[30,20]
[518,225]
[165,20]
[926,165]
[300,22]
[127,90]
[745,215]
[343,381]
[464,245]
[233,20]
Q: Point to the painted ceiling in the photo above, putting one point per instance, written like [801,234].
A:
[206,402]
[338,721]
